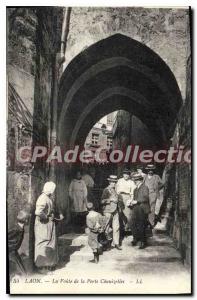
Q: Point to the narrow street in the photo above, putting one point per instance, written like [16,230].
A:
[160,262]
[157,269]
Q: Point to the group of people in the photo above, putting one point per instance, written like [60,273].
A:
[126,204]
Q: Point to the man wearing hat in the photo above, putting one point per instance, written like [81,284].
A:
[125,188]
[109,202]
[139,169]
[140,209]
[154,184]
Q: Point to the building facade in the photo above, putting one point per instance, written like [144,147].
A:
[100,136]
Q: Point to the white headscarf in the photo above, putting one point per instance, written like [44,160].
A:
[49,187]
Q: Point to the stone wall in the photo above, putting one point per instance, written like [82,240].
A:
[179,193]
[21,35]
[130,130]
[33,37]
[121,129]
[161,29]
[47,45]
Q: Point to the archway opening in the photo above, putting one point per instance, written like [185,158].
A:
[116,74]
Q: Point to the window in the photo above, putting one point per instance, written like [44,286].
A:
[109,142]
[95,138]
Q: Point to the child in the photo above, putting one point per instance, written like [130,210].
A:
[15,238]
[94,221]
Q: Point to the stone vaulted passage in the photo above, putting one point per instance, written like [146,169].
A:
[116,73]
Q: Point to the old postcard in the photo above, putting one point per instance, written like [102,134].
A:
[99,150]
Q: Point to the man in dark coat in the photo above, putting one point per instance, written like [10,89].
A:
[15,238]
[141,209]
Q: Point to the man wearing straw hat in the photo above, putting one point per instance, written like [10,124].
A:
[109,202]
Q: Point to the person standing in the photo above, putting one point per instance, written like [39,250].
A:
[78,195]
[109,202]
[140,209]
[46,251]
[94,224]
[154,184]
[125,189]
[140,171]
[15,239]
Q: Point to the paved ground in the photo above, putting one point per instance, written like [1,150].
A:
[155,269]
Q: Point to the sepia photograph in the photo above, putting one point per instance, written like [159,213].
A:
[99,138]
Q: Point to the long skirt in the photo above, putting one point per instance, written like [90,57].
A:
[46,252]
[139,223]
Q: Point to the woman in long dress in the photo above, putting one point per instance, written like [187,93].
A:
[46,252]
[78,196]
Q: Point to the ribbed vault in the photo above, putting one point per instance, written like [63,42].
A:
[116,73]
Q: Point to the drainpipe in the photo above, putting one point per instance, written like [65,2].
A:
[65,32]
[59,60]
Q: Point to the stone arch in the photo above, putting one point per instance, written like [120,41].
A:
[123,69]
